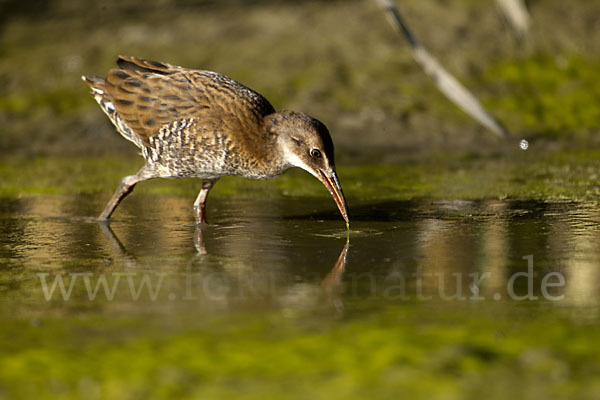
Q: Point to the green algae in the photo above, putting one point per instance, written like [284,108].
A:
[555,96]
[427,353]
[570,174]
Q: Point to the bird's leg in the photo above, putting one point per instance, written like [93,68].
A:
[199,241]
[125,187]
[200,203]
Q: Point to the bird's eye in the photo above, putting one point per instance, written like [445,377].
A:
[315,153]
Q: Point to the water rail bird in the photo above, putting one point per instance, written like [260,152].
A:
[194,123]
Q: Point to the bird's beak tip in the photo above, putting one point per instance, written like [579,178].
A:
[332,183]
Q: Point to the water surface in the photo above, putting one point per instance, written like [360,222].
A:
[477,279]
[266,252]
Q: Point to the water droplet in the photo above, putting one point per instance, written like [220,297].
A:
[524,144]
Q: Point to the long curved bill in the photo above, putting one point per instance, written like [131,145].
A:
[332,184]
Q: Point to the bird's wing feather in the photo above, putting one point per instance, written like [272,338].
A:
[139,64]
[148,95]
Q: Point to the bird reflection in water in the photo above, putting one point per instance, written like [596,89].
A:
[292,293]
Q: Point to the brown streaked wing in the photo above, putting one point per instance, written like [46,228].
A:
[148,100]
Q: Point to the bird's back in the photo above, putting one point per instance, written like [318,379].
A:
[187,122]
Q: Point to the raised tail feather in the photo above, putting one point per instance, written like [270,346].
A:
[98,86]
[96,83]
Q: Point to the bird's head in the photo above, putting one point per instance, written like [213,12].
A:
[305,142]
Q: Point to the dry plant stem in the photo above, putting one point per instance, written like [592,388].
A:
[445,82]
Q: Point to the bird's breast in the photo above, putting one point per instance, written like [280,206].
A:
[187,148]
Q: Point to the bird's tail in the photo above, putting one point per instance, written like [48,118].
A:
[98,86]
[105,100]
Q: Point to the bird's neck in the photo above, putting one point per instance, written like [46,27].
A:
[263,159]
[274,161]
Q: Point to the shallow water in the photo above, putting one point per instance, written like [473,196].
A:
[482,298]
[293,254]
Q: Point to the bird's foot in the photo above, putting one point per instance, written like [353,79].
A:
[201,219]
